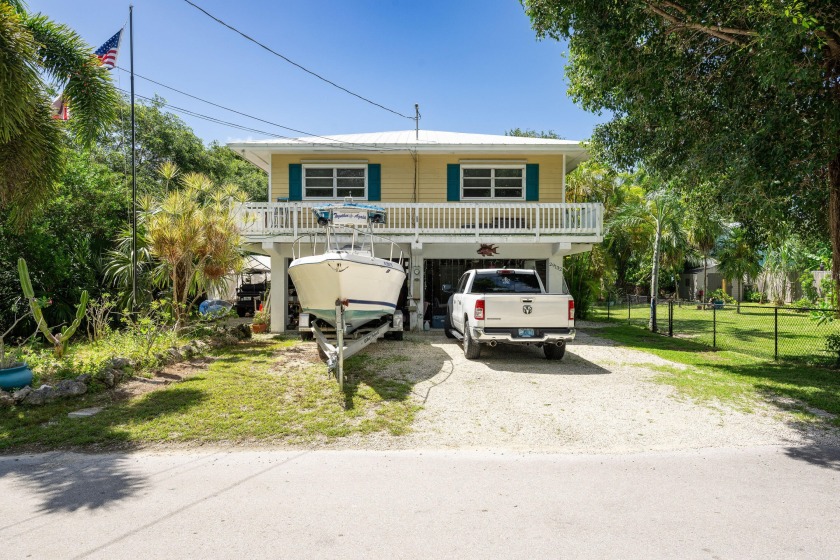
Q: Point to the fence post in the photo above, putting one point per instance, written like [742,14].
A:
[776,333]
[714,326]
[608,308]
[628,308]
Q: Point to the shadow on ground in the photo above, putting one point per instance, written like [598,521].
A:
[817,454]
[49,427]
[66,482]
[392,368]
[516,358]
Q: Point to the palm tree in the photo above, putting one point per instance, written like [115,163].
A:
[704,229]
[34,49]
[658,215]
[188,239]
[737,258]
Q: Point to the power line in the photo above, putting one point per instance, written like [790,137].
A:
[293,63]
[250,129]
[246,114]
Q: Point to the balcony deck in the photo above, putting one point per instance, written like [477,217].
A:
[447,221]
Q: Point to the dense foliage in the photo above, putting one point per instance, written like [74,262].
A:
[740,100]
[66,243]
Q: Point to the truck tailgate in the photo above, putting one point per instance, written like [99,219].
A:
[526,310]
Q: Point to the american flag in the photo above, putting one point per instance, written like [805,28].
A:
[107,53]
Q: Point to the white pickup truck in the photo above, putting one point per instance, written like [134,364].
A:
[492,305]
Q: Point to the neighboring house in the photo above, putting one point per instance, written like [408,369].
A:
[455,201]
[691,282]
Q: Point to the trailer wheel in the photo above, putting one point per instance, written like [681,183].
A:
[554,351]
[472,348]
[306,335]
[394,335]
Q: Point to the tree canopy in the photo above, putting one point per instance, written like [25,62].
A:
[37,57]
[741,98]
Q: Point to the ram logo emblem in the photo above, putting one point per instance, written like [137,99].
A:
[526,309]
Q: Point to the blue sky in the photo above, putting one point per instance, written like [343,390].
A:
[472,65]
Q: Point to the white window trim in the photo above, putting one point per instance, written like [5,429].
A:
[338,164]
[493,183]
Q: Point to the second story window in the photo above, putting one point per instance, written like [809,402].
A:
[491,182]
[334,181]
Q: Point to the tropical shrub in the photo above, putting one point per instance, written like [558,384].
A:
[720,295]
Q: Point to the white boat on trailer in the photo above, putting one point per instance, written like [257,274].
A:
[345,288]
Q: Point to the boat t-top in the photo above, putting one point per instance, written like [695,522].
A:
[343,284]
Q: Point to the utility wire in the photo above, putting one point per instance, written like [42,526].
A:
[249,129]
[247,115]
[293,63]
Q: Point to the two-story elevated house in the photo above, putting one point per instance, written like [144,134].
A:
[455,201]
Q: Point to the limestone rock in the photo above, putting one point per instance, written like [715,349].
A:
[119,362]
[21,394]
[84,378]
[110,377]
[69,388]
[41,395]
[6,400]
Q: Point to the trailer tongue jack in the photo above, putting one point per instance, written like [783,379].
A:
[335,350]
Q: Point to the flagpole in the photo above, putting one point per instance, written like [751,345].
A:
[133,170]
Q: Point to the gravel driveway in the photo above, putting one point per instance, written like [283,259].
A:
[599,398]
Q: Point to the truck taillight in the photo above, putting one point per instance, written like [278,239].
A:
[571,310]
[479,309]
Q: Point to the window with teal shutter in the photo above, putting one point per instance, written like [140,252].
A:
[374,181]
[295,181]
[453,182]
[532,182]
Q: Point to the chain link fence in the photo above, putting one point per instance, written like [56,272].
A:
[776,333]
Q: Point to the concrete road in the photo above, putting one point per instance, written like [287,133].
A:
[766,502]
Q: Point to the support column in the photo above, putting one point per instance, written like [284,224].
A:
[279,288]
[279,293]
[554,271]
[416,281]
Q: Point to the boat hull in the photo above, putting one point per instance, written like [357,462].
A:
[371,286]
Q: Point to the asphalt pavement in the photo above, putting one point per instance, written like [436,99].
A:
[759,502]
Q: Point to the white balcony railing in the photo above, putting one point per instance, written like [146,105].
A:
[270,219]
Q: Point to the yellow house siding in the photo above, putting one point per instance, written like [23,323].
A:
[398,173]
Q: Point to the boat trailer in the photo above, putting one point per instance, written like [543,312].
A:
[333,349]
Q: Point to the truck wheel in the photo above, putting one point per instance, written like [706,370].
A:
[554,351]
[472,349]
[447,326]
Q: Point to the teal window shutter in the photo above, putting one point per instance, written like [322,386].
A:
[532,181]
[453,181]
[374,181]
[295,181]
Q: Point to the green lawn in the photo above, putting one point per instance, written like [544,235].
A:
[751,331]
[245,395]
[736,378]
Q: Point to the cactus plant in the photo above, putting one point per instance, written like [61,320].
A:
[58,340]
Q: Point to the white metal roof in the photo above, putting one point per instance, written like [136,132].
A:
[424,141]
